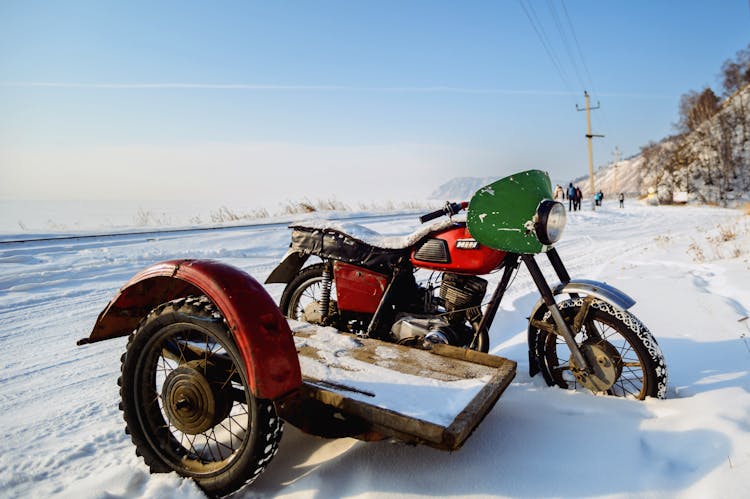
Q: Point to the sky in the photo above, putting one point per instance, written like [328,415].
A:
[264,102]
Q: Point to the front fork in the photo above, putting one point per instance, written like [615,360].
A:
[582,368]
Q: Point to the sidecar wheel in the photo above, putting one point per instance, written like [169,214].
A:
[634,364]
[186,401]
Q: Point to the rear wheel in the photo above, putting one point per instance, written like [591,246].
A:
[304,296]
[186,401]
[626,360]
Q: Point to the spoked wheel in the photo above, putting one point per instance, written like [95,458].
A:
[186,401]
[626,360]
[303,297]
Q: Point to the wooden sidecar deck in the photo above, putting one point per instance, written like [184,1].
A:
[435,397]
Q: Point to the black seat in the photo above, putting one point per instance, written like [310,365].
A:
[334,244]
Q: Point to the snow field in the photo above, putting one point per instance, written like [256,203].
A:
[63,435]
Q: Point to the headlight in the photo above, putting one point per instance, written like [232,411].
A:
[549,221]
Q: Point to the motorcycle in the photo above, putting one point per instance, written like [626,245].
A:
[213,370]
[580,336]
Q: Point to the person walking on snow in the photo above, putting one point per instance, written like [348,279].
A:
[571,196]
[578,197]
[622,200]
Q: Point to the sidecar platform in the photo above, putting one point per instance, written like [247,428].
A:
[436,397]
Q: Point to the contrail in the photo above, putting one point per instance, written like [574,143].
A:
[274,87]
[313,88]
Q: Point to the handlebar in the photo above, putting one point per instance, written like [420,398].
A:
[449,209]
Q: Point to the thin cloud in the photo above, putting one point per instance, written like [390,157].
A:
[277,87]
[316,88]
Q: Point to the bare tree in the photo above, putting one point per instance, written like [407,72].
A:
[710,158]
[696,108]
[681,158]
[658,167]
[736,73]
[723,144]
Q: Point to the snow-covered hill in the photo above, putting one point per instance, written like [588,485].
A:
[687,267]
[708,165]
[624,176]
[463,188]
[460,188]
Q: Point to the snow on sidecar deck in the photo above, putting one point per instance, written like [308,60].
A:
[433,397]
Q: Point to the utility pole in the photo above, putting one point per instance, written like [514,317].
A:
[590,136]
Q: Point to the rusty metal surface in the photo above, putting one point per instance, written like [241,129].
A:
[257,325]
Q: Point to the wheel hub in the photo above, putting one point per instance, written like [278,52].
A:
[605,364]
[192,402]
[311,313]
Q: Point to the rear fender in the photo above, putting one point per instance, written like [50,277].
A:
[259,329]
[288,268]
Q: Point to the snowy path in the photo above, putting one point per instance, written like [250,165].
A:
[63,435]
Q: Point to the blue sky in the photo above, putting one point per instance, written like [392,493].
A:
[276,100]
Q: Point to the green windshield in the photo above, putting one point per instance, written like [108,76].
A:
[501,215]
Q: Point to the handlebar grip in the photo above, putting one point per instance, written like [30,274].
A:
[432,216]
[449,209]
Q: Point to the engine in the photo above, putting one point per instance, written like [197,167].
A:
[460,292]
[456,307]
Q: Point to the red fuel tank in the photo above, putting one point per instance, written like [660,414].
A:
[454,250]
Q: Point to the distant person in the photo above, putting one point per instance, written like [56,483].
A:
[578,197]
[559,193]
[600,198]
[622,200]
[571,196]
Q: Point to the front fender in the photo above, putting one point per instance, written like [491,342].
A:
[259,329]
[600,290]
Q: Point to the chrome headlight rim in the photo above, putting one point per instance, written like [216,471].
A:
[550,211]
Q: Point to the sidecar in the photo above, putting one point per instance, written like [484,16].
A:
[212,367]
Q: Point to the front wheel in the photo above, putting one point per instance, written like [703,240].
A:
[626,360]
[187,403]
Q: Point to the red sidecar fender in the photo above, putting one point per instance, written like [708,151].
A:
[260,330]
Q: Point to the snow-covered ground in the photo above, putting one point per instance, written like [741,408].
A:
[687,267]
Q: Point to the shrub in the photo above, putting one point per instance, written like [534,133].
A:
[697,252]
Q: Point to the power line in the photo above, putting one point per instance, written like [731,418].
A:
[565,41]
[565,30]
[591,84]
[578,45]
[539,30]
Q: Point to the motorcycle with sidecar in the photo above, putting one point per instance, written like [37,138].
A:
[362,345]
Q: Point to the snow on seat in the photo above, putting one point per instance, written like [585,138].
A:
[374,238]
